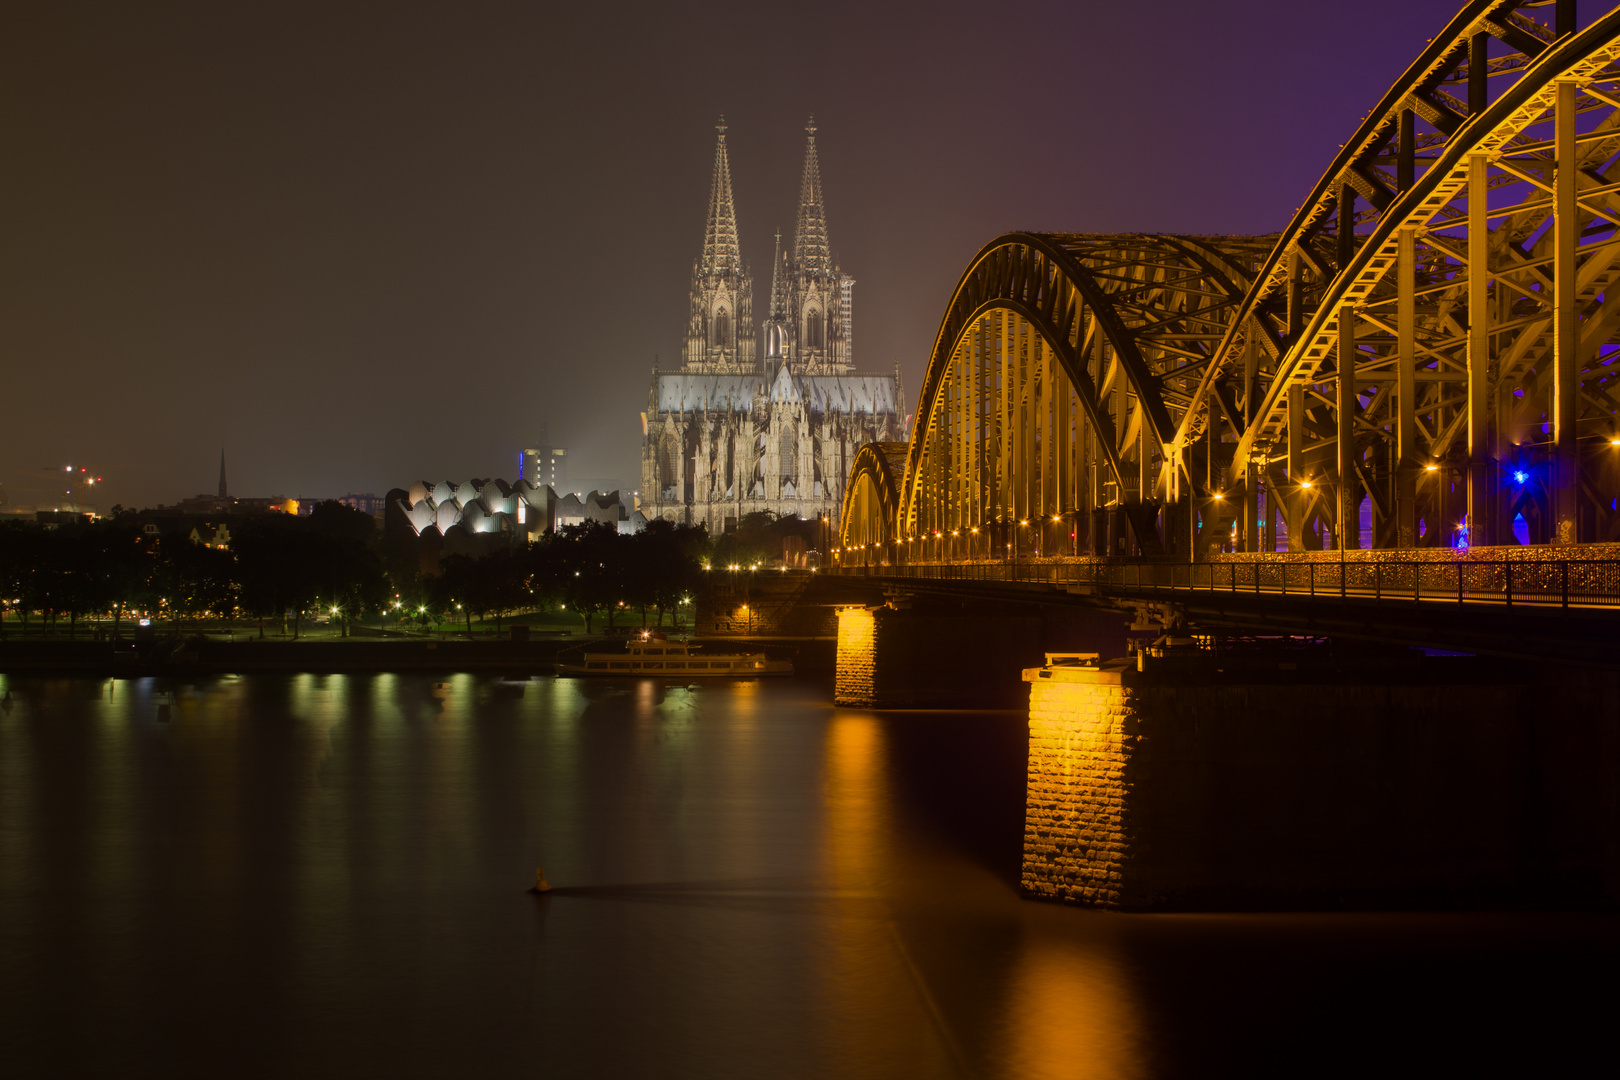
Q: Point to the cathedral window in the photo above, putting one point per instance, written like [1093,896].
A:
[812,329]
[722,329]
[668,465]
[789,454]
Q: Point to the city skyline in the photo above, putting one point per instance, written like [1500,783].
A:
[353,254]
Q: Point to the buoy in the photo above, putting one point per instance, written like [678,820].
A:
[540,883]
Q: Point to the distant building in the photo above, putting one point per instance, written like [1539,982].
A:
[365,502]
[545,464]
[728,434]
[477,516]
[224,503]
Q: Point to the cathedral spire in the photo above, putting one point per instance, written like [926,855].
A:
[721,252]
[810,248]
[779,280]
[223,491]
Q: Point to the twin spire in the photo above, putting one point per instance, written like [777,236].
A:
[810,247]
[721,249]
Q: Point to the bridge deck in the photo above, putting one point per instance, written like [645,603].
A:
[1555,583]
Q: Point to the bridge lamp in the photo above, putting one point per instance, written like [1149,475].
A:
[1024,522]
[955,533]
[1218,496]
[1304,483]
[975,532]
[1431,467]
[1057,517]
[1520,476]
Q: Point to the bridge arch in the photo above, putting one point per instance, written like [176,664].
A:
[1058,374]
[871,499]
[1442,204]
[1433,339]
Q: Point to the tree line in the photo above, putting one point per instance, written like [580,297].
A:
[276,567]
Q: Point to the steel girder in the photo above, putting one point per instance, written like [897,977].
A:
[1072,373]
[1437,231]
[872,496]
[1064,362]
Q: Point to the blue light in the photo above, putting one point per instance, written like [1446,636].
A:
[1520,476]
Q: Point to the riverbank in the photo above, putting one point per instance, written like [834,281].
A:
[218,656]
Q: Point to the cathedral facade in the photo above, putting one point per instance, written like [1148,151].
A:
[766,417]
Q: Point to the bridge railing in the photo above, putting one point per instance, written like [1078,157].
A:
[1561,583]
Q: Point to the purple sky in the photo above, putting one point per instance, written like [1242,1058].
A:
[361,248]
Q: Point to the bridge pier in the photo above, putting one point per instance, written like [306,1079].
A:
[1308,779]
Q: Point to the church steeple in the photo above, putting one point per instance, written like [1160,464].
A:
[224,492]
[720,326]
[810,247]
[777,319]
[721,251]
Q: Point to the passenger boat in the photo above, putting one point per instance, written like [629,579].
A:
[673,660]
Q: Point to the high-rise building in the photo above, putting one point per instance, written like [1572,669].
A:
[544,464]
[728,434]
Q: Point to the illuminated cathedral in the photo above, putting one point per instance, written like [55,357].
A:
[766,417]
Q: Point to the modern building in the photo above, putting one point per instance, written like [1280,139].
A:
[746,424]
[478,516]
[545,464]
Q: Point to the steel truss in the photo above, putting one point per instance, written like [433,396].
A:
[1433,336]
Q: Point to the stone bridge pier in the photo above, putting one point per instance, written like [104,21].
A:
[1309,778]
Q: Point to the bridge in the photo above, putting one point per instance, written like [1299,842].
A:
[1414,380]
[1395,421]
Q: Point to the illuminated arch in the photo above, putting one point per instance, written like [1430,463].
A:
[1193,383]
[1054,344]
[871,498]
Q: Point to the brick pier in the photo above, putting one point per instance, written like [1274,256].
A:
[1287,780]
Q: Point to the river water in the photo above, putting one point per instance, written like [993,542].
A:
[325,875]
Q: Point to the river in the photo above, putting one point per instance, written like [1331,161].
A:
[326,875]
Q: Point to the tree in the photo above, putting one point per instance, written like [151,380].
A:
[588,563]
[195,579]
[277,565]
[665,564]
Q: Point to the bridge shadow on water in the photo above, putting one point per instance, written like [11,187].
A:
[961,776]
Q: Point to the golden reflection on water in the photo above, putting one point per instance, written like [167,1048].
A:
[877,1011]
[1070,1013]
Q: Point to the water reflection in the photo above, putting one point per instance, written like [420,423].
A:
[1070,1013]
[324,875]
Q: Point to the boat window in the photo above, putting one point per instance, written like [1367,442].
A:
[652,664]
[620,664]
[696,664]
[596,664]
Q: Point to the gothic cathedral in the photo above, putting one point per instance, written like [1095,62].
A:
[765,419]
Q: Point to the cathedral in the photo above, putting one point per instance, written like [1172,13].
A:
[764,417]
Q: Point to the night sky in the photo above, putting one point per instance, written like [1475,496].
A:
[357,246]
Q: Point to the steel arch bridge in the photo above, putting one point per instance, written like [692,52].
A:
[1426,356]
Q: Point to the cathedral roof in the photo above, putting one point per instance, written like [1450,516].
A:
[811,250]
[785,388]
[721,251]
[821,393]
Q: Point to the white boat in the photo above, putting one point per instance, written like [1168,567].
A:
[672,660]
